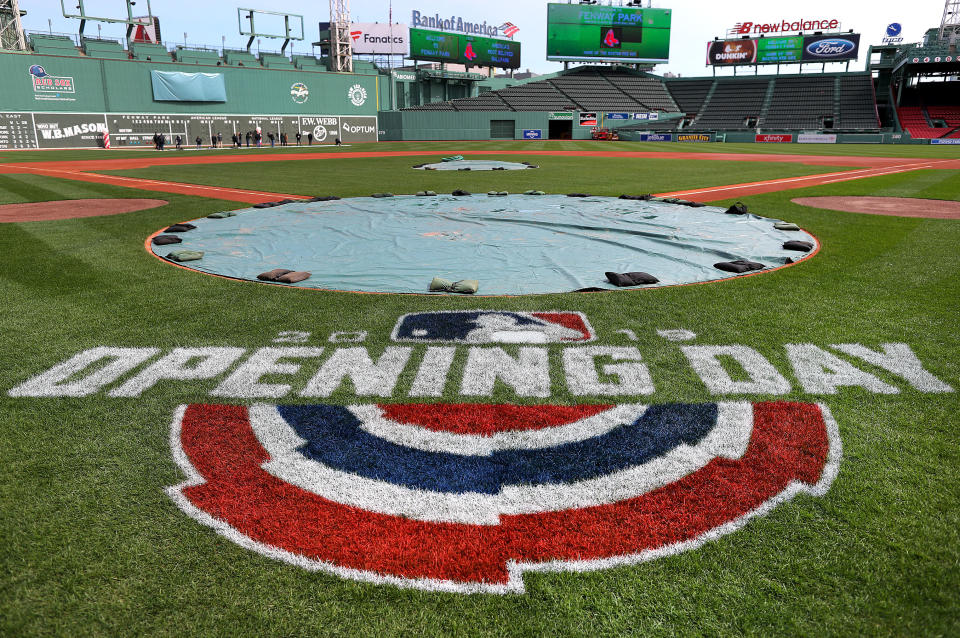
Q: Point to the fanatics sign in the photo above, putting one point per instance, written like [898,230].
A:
[380,39]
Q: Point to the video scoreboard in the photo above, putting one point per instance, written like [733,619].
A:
[470,50]
[590,33]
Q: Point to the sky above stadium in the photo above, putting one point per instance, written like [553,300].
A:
[214,22]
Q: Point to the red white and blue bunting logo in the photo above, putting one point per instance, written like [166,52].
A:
[468,498]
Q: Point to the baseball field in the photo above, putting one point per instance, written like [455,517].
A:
[141,493]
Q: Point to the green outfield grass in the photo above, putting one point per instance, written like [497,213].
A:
[447,148]
[92,545]
[554,175]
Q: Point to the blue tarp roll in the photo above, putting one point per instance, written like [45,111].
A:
[173,86]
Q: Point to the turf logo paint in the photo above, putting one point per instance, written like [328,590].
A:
[483,326]
[467,498]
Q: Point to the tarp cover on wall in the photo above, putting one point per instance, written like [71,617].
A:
[173,86]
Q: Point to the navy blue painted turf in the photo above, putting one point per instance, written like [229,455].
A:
[336,440]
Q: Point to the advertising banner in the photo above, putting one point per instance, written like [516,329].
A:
[695,137]
[817,138]
[652,117]
[656,137]
[731,52]
[578,32]
[380,38]
[831,48]
[780,50]
[86,130]
[588,119]
[945,141]
[532,134]
[560,115]
[434,46]
[473,50]
[617,116]
[69,130]
[784,50]
[774,138]
[827,48]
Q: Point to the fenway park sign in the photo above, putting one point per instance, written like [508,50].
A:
[331,456]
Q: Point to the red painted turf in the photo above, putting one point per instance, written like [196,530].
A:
[789,443]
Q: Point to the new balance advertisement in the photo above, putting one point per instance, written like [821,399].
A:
[578,32]
[784,50]
[472,50]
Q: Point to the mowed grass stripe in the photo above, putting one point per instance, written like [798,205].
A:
[555,175]
[464,147]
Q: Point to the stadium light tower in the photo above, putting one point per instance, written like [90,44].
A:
[11,28]
[341,47]
[950,25]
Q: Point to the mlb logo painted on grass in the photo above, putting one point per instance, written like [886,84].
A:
[490,326]
[467,498]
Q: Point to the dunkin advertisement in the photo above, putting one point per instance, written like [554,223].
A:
[731,52]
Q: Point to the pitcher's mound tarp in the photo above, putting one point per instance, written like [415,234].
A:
[513,245]
[474,165]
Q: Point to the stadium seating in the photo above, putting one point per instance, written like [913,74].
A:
[584,89]
[146,51]
[646,90]
[187,55]
[49,44]
[689,95]
[240,58]
[801,102]
[734,105]
[364,66]
[109,49]
[857,103]
[915,122]
[930,110]
[276,61]
[309,63]
[951,117]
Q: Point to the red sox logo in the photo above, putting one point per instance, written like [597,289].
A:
[467,497]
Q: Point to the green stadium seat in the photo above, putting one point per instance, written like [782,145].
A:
[154,52]
[240,58]
[197,56]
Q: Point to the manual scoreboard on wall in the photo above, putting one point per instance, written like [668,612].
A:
[784,50]
[587,33]
[458,48]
